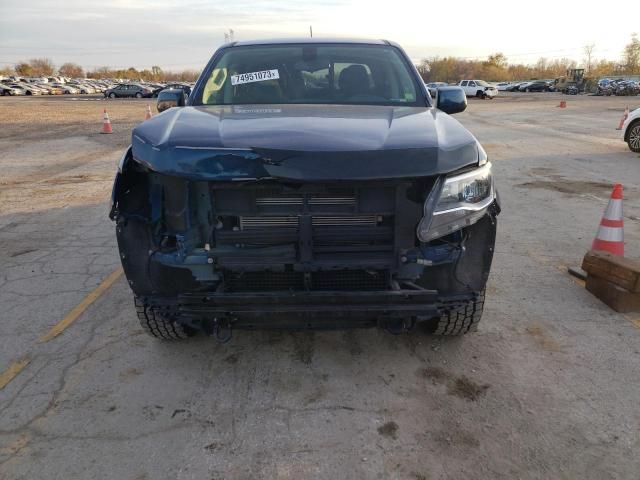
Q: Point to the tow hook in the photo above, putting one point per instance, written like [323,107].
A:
[222,330]
[398,326]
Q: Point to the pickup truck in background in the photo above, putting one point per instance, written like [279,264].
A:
[478,88]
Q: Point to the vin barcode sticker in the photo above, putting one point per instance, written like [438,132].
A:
[254,77]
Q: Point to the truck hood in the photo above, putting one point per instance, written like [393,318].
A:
[303,142]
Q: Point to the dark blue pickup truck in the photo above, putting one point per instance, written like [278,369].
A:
[306,184]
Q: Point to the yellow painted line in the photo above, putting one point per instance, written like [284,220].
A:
[14,369]
[634,321]
[73,315]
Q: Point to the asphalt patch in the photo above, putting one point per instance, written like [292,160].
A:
[436,374]
[569,187]
[467,389]
[389,430]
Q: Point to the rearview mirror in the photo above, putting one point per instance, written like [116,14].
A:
[170,98]
[451,100]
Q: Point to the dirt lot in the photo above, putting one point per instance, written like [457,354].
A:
[548,388]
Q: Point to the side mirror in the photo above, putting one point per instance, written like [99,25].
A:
[170,98]
[451,100]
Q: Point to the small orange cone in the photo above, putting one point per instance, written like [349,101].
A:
[610,236]
[624,118]
[148,115]
[106,123]
[563,104]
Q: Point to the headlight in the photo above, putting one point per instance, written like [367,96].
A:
[463,200]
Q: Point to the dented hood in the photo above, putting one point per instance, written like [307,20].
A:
[303,142]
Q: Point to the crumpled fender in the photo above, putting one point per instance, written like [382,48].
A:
[117,183]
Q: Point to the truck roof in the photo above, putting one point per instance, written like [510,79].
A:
[294,40]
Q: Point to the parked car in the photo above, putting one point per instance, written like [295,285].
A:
[66,88]
[27,89]
[478,88]
[180,86]
[433,87]
[83,88]
[267,201]
[156,88]
[535,86]
[514,87]
[128,90]
[503,86]
[7,90]
[631,130]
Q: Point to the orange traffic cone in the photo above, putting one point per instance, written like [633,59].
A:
[610,236]
[563,104]
[624,118]
[148,115]
[106,123]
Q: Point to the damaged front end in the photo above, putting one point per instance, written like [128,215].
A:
[248,239]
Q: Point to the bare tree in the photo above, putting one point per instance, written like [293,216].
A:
[42,67]
[588,51]
[631,55]
[23,69]
[71,70]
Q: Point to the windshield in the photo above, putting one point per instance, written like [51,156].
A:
[325,74]
[482,83]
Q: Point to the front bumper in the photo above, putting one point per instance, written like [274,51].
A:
[318,310]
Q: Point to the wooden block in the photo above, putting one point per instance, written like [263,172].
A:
[622,271]
[613,295]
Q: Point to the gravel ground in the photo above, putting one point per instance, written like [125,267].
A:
[547,389]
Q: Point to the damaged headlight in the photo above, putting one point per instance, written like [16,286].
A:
[463,200]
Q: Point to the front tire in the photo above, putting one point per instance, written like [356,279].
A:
[138,95]
[633,137]
[112,95]
[460,321]
[160,325]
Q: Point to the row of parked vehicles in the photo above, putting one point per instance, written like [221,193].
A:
[608,87]
[20,86]
[482,89]
[144,90]
[14,86]
[529,86]
[573,83]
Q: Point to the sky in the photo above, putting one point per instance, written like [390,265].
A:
[183,34]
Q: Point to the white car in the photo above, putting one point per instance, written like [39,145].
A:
[478,88]
[631,130]
[502,86]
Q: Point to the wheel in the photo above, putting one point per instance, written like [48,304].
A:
[633,137]
[479,94]
[527,89]
[461,321]
[112,95]
[159,325]
[138,95]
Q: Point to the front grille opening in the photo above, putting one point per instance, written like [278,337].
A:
[330,280]
[263,281]
[362,280]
